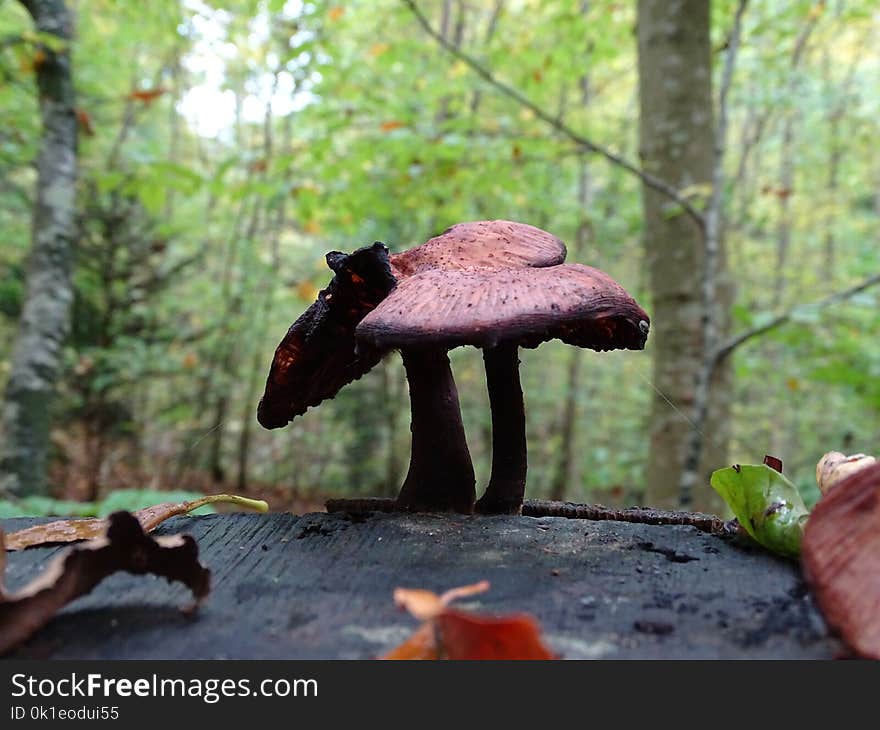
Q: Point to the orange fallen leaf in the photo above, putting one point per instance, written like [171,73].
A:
[147,95]
[390,125]
[85,122]
[63,531]
[469,636]
[422,645]
[448,633]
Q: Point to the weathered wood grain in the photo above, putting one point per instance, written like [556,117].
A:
[319,586]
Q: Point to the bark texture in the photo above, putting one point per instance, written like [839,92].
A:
[45,317]
[677,144]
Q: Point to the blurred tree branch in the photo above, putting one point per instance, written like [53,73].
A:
[726,348]
[557,124]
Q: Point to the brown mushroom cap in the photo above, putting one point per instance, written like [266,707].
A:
[318,354]
[482,244]
[841,559]
[580,305]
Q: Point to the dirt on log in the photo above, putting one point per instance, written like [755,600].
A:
[320,585]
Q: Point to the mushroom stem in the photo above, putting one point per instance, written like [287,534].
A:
[441,474]
[507,484]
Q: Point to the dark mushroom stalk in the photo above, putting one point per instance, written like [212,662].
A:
[441,474]
[507,482]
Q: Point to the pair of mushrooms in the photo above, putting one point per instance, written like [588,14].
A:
[495,285]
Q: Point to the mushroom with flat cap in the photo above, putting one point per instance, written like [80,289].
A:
[498,310]
[495,244]
[440,474]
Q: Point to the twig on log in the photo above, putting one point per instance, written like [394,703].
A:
[641,515]
[547,508]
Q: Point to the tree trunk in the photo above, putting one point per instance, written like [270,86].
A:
[677,141]
[565,472]
[45,316]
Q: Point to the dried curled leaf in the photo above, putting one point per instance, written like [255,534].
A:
[75,572]
[63,531]
[426,605]
[448,633]
[835,467]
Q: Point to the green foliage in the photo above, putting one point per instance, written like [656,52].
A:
[121,499]
[205,213]
[766,504]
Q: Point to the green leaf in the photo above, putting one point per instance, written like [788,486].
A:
[767,505]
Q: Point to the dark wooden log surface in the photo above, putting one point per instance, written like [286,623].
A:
[320,585]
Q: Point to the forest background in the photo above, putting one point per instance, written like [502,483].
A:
[173,172]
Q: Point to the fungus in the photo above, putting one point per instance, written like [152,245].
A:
[318,354]
[499,311]
[441,473]
[498,285]
[834,467]
[484,244]
[841,559]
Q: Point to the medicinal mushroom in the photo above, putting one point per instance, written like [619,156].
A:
[498,310]
[318,354]
[841,559]
[484,244]
[441,474]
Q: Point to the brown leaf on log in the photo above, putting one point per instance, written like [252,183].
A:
[449,633]
[73,530]
[79,569]
[841,559]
